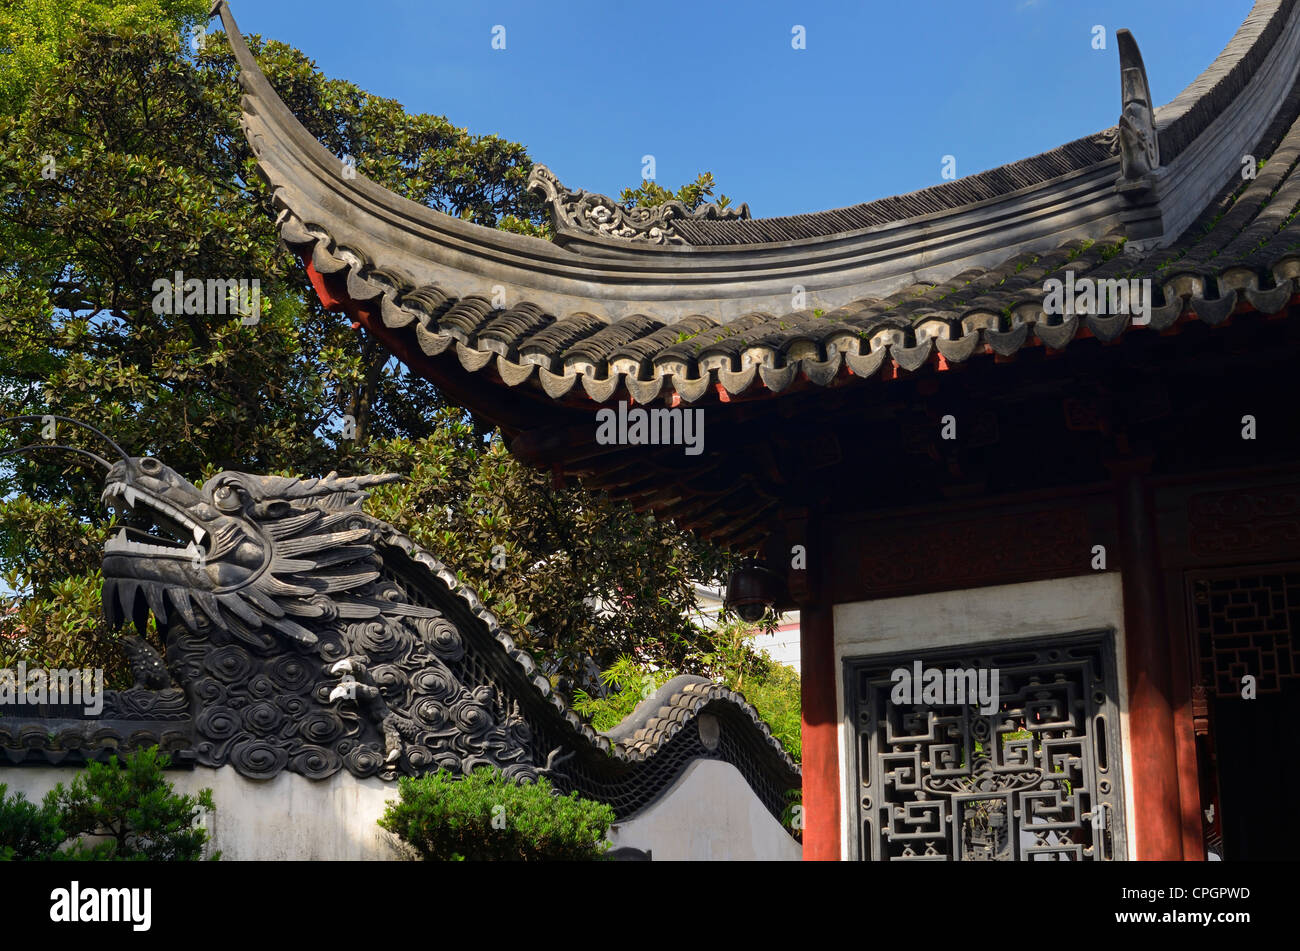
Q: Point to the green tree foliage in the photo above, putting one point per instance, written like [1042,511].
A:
[626,684]
[650,194]
[28,832]
[776,696]
[135,195]
[64,626]
[34,33]
[121,163]
[773,689]
[571,573]
[110,812]
[486,817]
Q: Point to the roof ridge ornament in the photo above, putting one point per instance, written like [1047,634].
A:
[1139,140]
[588,213]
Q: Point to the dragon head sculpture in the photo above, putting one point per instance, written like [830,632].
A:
[295,647]
[258,556]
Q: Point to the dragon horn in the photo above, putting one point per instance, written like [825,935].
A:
[333,483]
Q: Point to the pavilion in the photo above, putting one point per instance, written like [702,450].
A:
[936,458]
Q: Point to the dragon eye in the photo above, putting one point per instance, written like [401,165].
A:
[226,497]
[152,466]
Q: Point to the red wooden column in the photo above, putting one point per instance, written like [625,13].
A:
[818,680]
[821,753]
[1152,738]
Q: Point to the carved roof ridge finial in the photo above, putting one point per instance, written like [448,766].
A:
[577,210]
[1139,140]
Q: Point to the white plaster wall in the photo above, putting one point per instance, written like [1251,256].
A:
[974,616]
[709,813]
[288,817]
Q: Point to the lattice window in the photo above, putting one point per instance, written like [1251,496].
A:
[1244,625]
[1039,779]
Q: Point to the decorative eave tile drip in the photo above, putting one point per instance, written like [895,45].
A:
[998,311]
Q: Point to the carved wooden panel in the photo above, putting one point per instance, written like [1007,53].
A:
[1003,548]
[1263,521]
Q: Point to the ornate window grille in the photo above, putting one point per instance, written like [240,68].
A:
[1244,623]
[1040,779]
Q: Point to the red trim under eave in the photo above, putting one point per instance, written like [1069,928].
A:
[327,299]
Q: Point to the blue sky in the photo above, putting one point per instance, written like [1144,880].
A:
[884,89]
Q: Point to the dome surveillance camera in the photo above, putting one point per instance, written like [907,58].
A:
[752,590]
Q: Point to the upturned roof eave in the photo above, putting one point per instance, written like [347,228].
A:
[419,245]
[407,244]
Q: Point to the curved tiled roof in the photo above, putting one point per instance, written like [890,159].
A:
[1003,180]
[1248,257]
[1241,253]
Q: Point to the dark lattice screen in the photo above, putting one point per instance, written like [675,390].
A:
[1244,624]
[1039,779]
